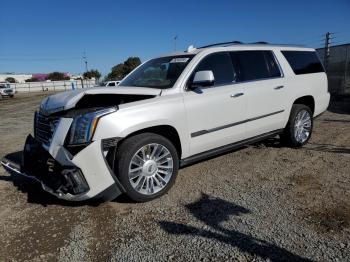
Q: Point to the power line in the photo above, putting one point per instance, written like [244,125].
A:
[327,43]
[39,59]
[85,61]
[175,40]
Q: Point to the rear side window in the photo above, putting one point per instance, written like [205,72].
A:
[221,65]
[303,62]
[255,65]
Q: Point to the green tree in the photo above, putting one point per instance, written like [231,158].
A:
[57,76]
[92,74]
[119,71]
[10,80]
[131,63]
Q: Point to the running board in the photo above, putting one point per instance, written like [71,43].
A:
[227,148]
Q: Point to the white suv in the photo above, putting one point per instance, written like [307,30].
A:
[172,111]
[6,90]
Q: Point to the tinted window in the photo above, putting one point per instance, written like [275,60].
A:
[221,65]
[252,65]
[272,64]
[111,84]
[303,62]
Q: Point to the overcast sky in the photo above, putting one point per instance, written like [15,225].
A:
[42,36]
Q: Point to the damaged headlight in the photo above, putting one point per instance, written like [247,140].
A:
[83,126]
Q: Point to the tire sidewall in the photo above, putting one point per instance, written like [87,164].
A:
[127,151]
[295,111]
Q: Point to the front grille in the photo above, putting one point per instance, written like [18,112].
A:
[44,128]
[8,91]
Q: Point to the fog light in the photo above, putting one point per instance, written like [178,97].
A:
[76,182]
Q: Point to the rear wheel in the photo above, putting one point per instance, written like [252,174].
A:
[299,128]
[147,166]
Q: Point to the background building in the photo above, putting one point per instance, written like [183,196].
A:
[20,78]
[337,62]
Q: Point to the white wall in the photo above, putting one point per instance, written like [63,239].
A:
[52,86]
[20,77]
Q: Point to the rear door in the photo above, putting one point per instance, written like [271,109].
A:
[265,90]
[215,114]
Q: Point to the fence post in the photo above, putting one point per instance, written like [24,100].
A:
[29,86]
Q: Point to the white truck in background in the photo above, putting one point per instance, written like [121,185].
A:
[112,83]
[6,90]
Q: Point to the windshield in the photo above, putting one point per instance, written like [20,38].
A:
[158,73]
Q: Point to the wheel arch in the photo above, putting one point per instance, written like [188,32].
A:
[167,131]
[307,100]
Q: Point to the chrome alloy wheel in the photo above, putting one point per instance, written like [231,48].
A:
[302,126]
[150,169]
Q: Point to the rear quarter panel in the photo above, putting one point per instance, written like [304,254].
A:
[315,85]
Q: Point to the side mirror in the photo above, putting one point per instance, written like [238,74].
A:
[202,79]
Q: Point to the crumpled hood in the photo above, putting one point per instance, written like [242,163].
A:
[67,100]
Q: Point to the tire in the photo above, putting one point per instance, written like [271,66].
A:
[11,96]
[139,188]
[290,134]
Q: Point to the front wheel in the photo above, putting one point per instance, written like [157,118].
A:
[147,166]
[299,128]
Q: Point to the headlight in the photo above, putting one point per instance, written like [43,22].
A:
[83,126]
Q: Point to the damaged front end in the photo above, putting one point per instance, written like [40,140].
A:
[37,162]
[64,157]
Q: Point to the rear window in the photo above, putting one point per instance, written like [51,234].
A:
[303,62]
[255,65]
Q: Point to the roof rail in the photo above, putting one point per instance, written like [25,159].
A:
[261,42]
[224,43]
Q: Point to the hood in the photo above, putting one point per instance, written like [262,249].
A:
[68,100]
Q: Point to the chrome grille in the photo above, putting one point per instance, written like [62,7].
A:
[44,128]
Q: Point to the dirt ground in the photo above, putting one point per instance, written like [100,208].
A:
[263,202]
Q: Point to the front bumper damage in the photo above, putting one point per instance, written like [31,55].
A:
[84,176]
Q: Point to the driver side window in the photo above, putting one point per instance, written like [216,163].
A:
[221,66]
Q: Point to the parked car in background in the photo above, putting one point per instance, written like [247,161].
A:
[6,90]
[112,83]
[170,112]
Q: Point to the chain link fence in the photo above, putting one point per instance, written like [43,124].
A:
[338,69]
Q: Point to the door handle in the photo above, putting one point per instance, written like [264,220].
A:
[278,87]
[236,95]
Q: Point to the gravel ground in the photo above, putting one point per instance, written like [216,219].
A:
[263,202]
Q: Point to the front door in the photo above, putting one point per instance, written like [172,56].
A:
[215,114]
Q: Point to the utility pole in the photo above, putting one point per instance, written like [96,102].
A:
[85,61]
[327,48]
[175,39]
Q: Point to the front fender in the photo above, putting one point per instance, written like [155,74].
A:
[169,112]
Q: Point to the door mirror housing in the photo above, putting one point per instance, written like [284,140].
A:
[202,79]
